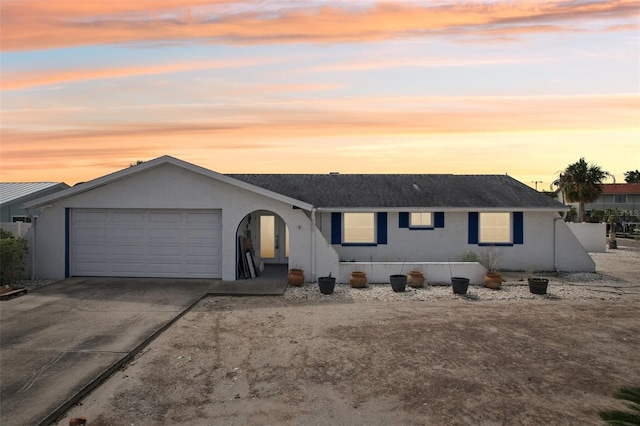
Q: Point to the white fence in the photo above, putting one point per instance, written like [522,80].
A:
[19,229]
[592,236]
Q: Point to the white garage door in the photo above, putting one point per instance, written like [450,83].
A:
[145,243]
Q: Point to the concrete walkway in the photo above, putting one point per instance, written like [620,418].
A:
[60,341]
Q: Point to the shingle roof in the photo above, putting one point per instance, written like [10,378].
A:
[13,191]
[403,191]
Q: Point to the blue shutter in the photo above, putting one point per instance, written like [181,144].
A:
[382,228]
[473,227]
[403,219]
[438,219]
[518,228]
[336,228]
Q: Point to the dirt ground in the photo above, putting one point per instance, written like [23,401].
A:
[266,360]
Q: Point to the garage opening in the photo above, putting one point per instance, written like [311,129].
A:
[262,247]
[145,243]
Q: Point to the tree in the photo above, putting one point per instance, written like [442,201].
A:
[581,183]
[611,216]
[619,417]
[632,176]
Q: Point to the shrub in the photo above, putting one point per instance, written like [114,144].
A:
[13,257]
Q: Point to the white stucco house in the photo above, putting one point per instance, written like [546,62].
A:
[170,218]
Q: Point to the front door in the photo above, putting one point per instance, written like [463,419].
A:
[274,239]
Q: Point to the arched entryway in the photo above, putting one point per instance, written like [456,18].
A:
[262,246]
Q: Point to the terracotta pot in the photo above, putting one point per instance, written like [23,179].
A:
[415,279]
[295,277]
[358,279]
[492,280]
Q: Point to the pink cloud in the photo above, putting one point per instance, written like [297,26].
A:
[32,25]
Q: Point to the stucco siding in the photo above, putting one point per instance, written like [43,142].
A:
[170,187]
[451,242]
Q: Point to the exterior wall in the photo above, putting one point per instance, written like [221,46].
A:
[170,187]
[607,201]
[451,243]
[569,253]
[434,272]
[592,236]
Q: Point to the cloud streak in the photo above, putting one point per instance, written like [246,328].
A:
[25,79]
[35,25]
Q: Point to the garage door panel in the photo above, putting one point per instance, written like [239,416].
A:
[127,250]
[85,233]
[80,217]
[153,243]
[127,233]
[166,217]
[208,218]
[127,217]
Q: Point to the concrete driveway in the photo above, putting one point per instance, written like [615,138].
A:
[57,340]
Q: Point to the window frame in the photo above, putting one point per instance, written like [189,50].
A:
[510,218]
[25,218]
[413,225]
[620,198]
[374,230]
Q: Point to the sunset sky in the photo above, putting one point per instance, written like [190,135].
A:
[473,87]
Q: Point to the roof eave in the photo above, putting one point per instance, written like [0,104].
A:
[442,209]
[122,174]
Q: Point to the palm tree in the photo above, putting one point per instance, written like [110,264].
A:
[625,418]
[581,183]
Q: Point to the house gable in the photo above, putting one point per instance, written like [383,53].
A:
[153,164]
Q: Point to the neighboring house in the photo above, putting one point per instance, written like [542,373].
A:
[622,196]
[170,218]
[14,195]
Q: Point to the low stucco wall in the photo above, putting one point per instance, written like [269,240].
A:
[434,272]
[592,236]
[569,253]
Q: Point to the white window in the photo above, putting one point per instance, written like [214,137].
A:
[359,228]
[421,220]
[495,227]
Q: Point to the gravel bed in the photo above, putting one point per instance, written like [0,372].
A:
[31,284]
[509,291]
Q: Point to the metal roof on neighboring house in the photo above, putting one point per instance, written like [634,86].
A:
[404,191]
[621,188]
[14,191]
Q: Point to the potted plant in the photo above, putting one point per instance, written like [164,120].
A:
[358,279]
[327,284]
[295,277]
[459,285]
[398,282]
[490,259]
[538,285]
[415,278]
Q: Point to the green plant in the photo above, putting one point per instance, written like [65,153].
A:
[489,257]
[469,256]
[581,182]
[13,257]
[632,176]
[624,418]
